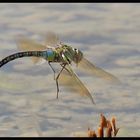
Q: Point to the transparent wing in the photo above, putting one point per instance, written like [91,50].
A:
[25,44]
[88,67]
[74,83]
[51,39]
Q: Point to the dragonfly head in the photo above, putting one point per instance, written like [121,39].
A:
[77,55]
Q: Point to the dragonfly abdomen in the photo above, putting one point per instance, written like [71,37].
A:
[49,55]
[19,55]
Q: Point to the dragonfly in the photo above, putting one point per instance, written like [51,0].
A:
[54,51]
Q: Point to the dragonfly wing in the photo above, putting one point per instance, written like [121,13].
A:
[88,67]
[52,39]
[25,44]
[72,81]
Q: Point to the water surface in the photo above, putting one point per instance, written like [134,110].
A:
[108,35]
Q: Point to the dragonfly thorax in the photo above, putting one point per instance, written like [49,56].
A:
[72,54]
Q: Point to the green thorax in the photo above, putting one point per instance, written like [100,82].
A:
[70,53]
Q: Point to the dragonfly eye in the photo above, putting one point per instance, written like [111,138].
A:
[77,55]
[76,50]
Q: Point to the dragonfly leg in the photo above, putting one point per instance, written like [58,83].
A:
[66,69]
[63,67]
[52,68]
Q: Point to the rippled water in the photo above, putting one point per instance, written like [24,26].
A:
[108,35]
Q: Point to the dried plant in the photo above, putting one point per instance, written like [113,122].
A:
[91,133]
[106,128]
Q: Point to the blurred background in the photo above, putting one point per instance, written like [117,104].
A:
[107,33]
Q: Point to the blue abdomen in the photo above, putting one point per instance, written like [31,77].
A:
[49,55]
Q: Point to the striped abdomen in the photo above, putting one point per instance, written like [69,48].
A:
[48,55]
